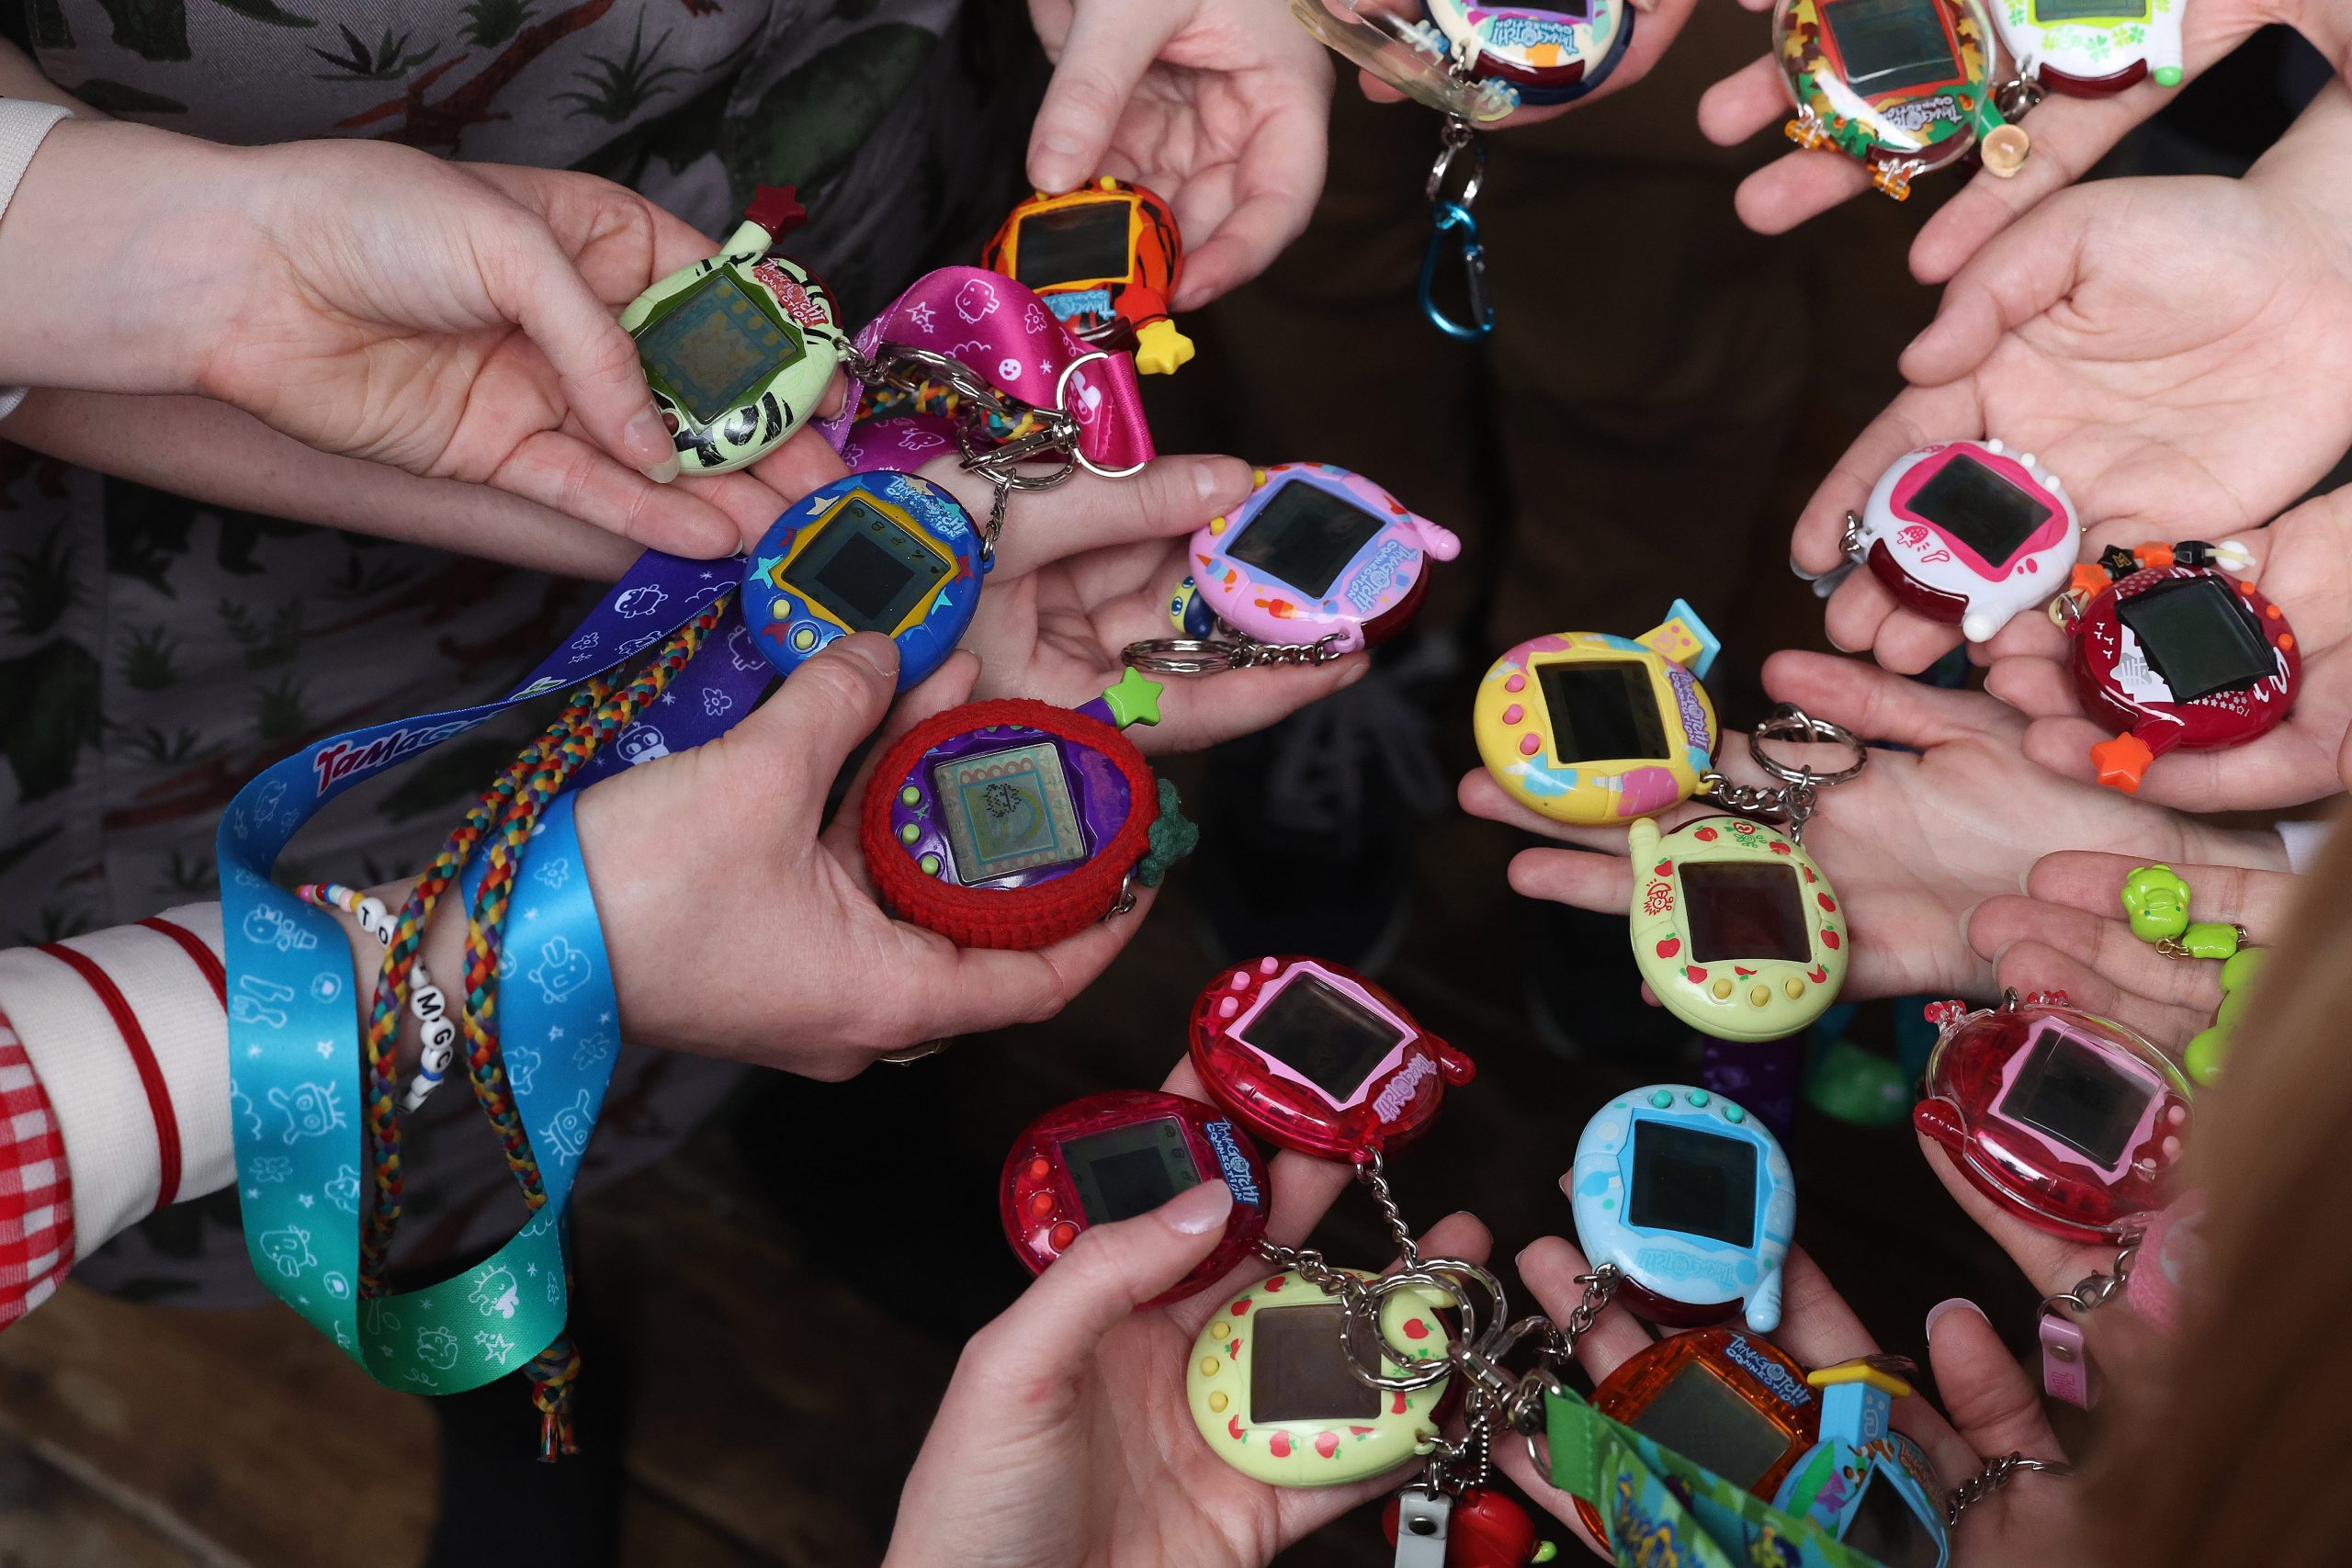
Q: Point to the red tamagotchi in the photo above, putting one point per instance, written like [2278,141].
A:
[2072,1123]
[1313,1056]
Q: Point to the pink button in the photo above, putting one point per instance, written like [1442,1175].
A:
[1530,744]
[1514,713]
[1241,979]
[1515,684]
[1228,1007]
[1268,965]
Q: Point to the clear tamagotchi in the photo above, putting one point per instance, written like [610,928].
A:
[1106,259]
[739,349]
[1904,85]
[1735,927]
[875,552]
[1692,1201]
[1313,1056]
[1316,553]
[1111,1156]
[1865,1482]
[1549,54]
[1593,728]
[2093,47]
[1968,533]
[2071,1122]
[1409,54]
[1276,1396]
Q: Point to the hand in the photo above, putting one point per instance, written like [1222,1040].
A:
[1661,22]
[1912,845]
[1219,106]
[733,913]
[1994,1409]
[1065,1440]
[2069,135]
[2178,351]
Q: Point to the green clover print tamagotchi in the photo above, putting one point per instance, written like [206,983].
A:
[738,348]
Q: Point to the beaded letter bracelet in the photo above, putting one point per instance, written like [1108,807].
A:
[425,1000]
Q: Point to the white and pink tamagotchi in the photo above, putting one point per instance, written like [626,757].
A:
[1316,553]
[1967,533]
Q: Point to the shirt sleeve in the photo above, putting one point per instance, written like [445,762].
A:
[36,1192]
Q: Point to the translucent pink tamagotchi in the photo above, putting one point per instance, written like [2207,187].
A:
[1967,533]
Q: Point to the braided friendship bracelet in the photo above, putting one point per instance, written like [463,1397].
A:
[425,1001]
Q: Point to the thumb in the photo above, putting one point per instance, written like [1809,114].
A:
[1107,51]
[1986,1395]
[1111,1270]
[807,729]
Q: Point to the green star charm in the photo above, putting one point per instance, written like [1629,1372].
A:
[1135,700]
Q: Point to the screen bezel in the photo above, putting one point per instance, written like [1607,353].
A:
[785,578]
[1292,1422]
[1187,1139]
[2154,1092]
[1903,504]
[1725,1376]
[1668,711]
[1090,199]
[1759,1174]
[796,344]
[2208,587]
[1920,89]
[1765,967]
[1264,501]
[1234,1032]
[2107,18]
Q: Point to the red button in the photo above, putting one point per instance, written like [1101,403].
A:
[1040,1168]
[1041,1203]
[1063,1234]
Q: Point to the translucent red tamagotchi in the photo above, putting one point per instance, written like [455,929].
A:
[1734,927]
[1317,553]
[1904,85]
[1106,259]
[2091,49]
[1968,533]
[1732,1402]
[2072,1123]
[1275,1393]
[1313,1056]
[1111,1156]
[1549,54]
[2182,655]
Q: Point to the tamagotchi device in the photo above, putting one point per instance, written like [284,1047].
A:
[1111,1156]
[2072,1123]
[1275,1393]
[1691,1201]
[1105,258]
[1313,1056]
[1409,54]
[2091,49]
[2179,653]
[1729,1401]
[1014,824]
[1904,85]
[1317,557]
[741,348]
[1593,728]
[1549,54]
[875,552]
[1864,1483]
[1967,533]
[1734,927]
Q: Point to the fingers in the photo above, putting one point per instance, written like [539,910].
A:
[569,475]
[2049,1263]
[824,709]
[1743,103]
[1552,1268]
[1879,706]
[1986,1395]
[1481,797]
[1103,57]
[1255,232]
[2069,136]
[2259,900]
[2012,281]
[1170,497]
[1918,416]
[1603,884]
[2036,687]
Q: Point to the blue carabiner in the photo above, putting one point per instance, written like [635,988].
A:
[1450,218]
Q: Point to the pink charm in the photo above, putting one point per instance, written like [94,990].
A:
[2065,1373]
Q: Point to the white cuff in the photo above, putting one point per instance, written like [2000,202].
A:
[2305,840]
[112,1127]
[24,123]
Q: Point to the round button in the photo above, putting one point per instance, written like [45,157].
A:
[1040,1168]
[930,864]
[1218,1401]
[1216,527]
[1041,1203]
[909,833]
[910,797]
[1722,989]
[1759,995]
[1734,1113]
[1796,988]
[1210,1366]
[1661,1100]
[1220,1329]
[1268,965]
[1062,1235]
[1699,1097]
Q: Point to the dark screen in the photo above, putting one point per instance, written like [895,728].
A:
[1699,1417]
[1322,1033]
[1882,1526]
[1888,45]
[714,347]
[1305,536]
[1744,910]
[1072,244]
[1301,1371]
[1601,712]
[1697,1182]
[1978,507]
[866,569]
[2090,10]
[2197,634]
[1127,1171]
[2077,1096]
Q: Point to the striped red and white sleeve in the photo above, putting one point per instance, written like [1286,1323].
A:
[122,1039]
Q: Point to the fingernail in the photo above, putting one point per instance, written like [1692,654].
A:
[1800,573]
[1061,155]
[1354,672]
[648,439]
[1198,1209]
[1519,1259]
[1953,1303]
[1831,638]
[881,654]
[1205,483]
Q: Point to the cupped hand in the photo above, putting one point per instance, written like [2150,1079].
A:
[1914,844]
[1066,1441]
[1219,106]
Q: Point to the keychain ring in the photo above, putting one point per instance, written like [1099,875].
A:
[1061,402]
[1181,656]
[1789,722]
[1365,1315]
[1451,142]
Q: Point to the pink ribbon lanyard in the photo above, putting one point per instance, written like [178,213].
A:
[1001,329]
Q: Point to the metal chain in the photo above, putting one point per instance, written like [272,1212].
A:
[1991,1479]
[1374,1173]
[2094,1290]
[1210,656]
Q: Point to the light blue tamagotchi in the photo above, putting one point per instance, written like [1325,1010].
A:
[1692,1201]
[1865,1482]
[875,552]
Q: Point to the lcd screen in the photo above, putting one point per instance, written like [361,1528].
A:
[1132,1170]
[1983,510]
[2199,636]
[1008,811]
[1323,1034]
[1299,1372]
[1604,711]
[1699,1417]
[1884,1527]
[2048,11]
[1072,244]
[866,568]
[714,347]
[1306,536]
[2074,1094]
[1744,910]
[1889,45]
[1697,1182]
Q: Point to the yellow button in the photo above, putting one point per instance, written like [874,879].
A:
[1217,525]
[1722,989]
[1758,996]
[1795,987]
[1218,1402]
[1220,1330]
[1209,1365]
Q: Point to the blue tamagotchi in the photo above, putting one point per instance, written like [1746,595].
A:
[1865,1482]
[875,552]
[1692,1201]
